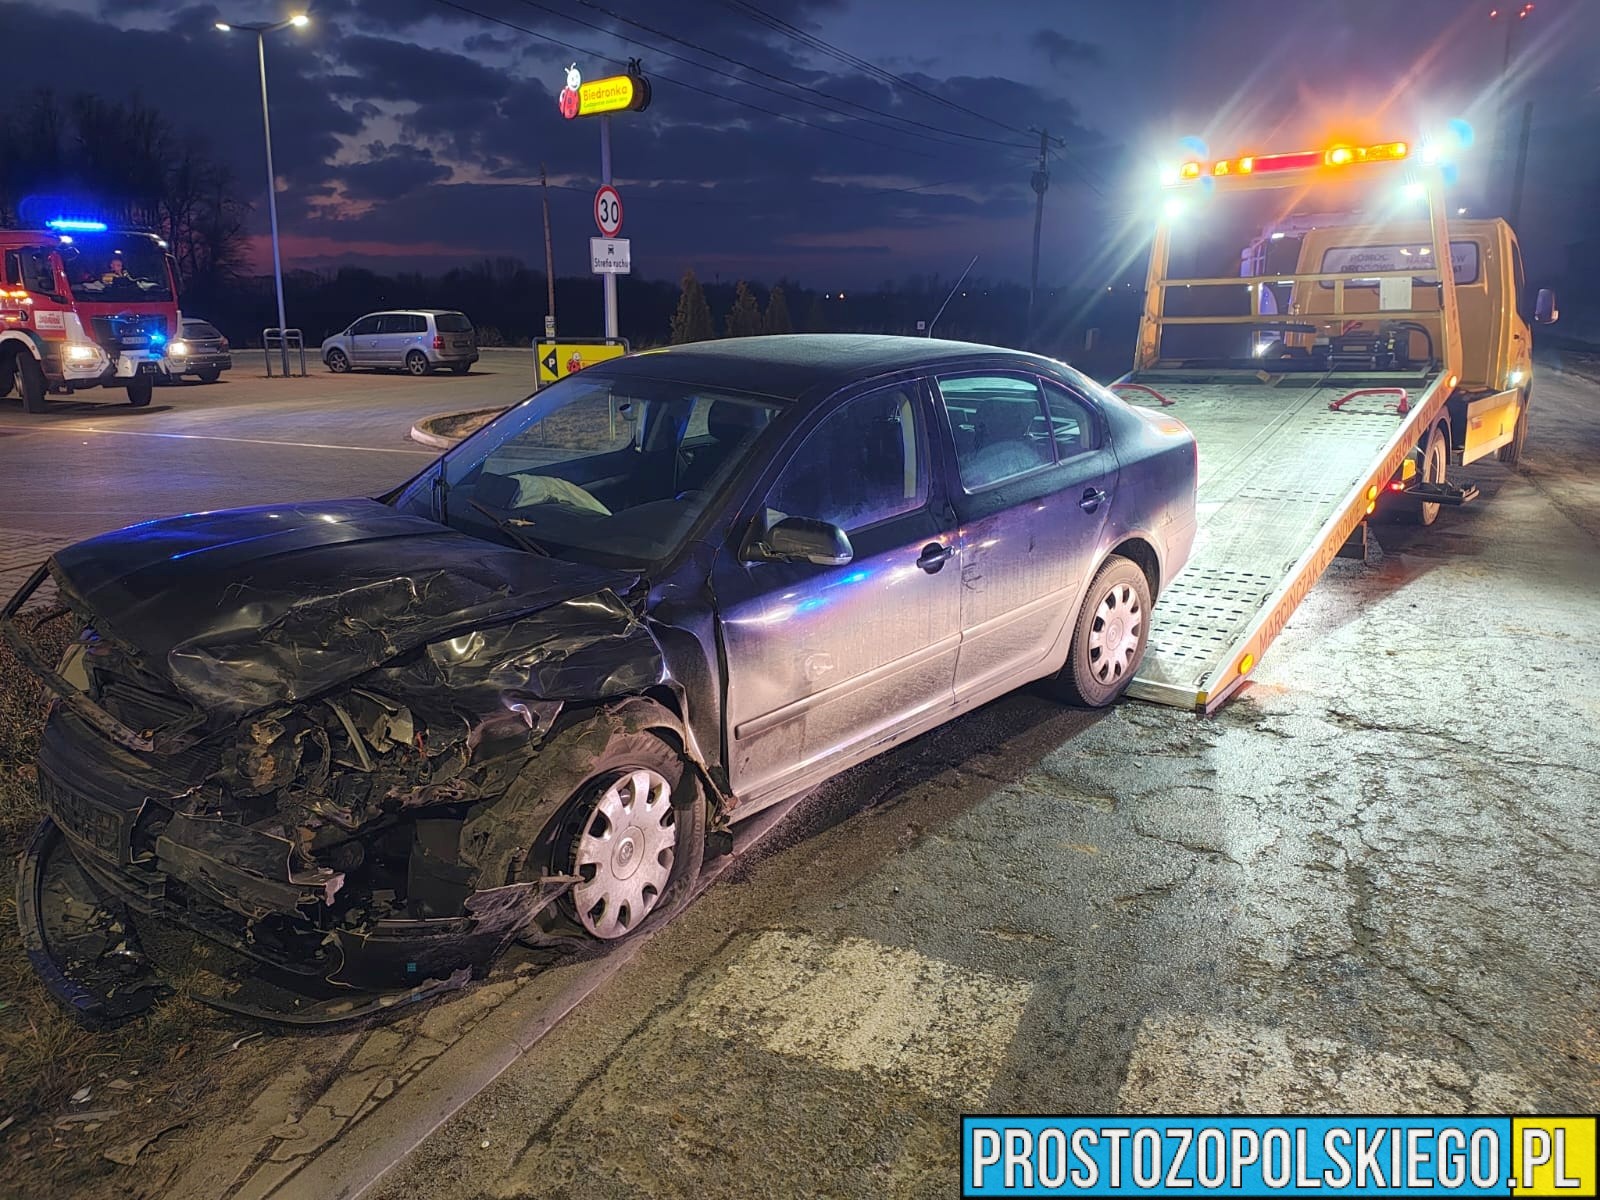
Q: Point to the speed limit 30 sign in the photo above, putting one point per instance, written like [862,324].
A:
[608,211]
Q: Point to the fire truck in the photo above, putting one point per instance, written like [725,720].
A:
[84,306]
[1370,346]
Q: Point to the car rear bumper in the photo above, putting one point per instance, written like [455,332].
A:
[450,355]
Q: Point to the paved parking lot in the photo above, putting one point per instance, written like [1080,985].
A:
[1367,884]
[90,464]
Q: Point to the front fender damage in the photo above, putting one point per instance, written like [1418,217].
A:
[349,853]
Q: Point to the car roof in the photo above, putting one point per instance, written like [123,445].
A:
[425,312]
[799,365]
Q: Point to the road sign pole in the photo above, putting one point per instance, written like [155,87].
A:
[608,281]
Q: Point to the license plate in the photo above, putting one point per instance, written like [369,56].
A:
[83,818]
[462,345]
[149,368]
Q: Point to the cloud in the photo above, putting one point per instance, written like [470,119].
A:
[1062,50]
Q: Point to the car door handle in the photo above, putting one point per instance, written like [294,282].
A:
[1093,498]
[934,556]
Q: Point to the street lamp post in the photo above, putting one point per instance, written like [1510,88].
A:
[298,21]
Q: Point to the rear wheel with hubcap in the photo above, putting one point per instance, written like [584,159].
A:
[1109,637]
[417,363]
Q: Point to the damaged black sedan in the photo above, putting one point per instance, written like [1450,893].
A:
[358,748]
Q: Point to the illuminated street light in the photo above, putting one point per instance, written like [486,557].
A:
[298,21]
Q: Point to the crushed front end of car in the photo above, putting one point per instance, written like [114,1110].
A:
[305,788]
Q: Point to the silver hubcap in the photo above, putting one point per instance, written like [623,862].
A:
[1114,634]
[418,366]
[624,854]
[1433,471]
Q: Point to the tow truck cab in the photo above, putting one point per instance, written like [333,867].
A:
[83,306]
[1488,405]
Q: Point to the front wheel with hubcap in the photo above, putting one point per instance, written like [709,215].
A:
[337,362]
[633,835]
[1511,452]
[1109,637]
[417,363]
[30,379]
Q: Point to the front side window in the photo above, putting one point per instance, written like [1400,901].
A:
[365,326]
[865,463]
[999,427]
[595,468]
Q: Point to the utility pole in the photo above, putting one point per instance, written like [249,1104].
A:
[1522,165]
[549,260]
[1512,15]
[1040,182]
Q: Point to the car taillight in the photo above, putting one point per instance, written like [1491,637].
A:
[438,341]
[223,343]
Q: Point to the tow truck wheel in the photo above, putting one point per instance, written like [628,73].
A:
[1110,635]
[31,380]
[1511,452]
[140,390]
[1432,468]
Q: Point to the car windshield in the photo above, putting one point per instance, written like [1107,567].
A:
[116,267]
[200,330]
[452,323]
[594,468]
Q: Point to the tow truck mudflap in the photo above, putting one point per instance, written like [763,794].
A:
[1439,493]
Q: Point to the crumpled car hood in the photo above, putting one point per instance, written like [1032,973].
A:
[245,608]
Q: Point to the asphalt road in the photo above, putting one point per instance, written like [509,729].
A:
[1368,884]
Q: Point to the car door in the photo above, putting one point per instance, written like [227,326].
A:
[393,340]
[1031,482]
[363,341]
[823,662]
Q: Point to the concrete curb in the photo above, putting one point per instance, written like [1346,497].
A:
[422,431]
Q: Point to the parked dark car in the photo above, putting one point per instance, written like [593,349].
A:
[371,742]
[199,350]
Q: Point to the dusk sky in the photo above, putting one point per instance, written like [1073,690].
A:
[409,133]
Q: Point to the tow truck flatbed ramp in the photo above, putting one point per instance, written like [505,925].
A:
[1283,483]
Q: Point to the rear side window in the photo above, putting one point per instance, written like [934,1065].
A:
[403,323]
[999,426]
[452,323]
[1073,427]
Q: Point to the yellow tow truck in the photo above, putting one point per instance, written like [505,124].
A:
[1396,347]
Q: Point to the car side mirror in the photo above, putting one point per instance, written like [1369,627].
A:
[805,539]
[1545,311]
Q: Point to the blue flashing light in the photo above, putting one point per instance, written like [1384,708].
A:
[158,339]
[72,225]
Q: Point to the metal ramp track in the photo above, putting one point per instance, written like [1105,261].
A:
[1283,482]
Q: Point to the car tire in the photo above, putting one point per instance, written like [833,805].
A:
[337,362]
[1511,452]
[1432,467]
[140,390]
[613,831]
[208,376]
[460,368]
[1109,636]
[417,363]
[32,383]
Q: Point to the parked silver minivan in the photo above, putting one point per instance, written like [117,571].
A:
[415,340]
